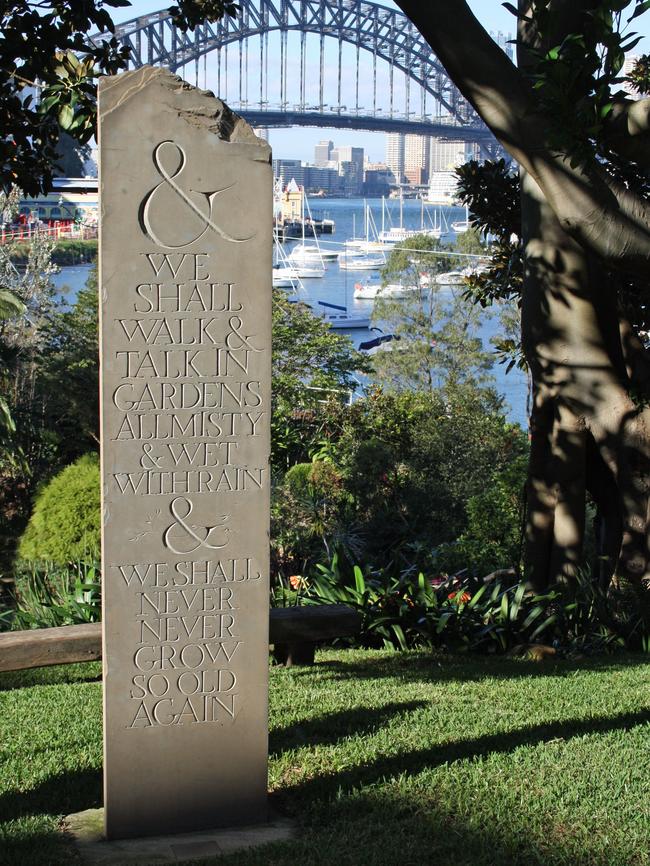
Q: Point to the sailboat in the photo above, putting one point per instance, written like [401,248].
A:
[307,259]
[340,319]
[461,226]
[399,234]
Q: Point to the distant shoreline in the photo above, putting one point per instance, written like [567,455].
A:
[66,252]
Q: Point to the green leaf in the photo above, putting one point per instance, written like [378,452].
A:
[66,116]
[540,628]
[359,580]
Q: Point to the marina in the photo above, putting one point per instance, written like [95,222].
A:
[337,285]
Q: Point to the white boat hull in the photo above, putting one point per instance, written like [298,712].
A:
[393,291]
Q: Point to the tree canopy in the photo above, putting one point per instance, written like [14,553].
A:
[48,75]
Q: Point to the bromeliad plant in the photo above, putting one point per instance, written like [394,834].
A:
[47,596]
[408,610]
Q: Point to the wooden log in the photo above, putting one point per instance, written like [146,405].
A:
[20,650]
[37,648]
[320,622]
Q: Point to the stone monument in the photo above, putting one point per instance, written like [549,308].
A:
[185,290]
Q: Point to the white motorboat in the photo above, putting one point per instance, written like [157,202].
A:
[308,253]
[309,271]
[393,291]
[285,277]
[338,317]
[451,278]
[352,262]
[461,226]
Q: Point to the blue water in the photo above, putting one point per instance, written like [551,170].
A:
[337,286]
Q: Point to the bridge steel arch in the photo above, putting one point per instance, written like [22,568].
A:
[386,33]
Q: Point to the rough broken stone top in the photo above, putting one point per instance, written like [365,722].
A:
[200,108]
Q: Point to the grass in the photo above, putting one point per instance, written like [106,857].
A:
[384,758]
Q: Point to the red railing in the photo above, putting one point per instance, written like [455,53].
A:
[63,231]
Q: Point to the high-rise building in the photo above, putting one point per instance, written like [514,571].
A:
[446,155]
[323,152]
[395,154]
[628,66]
[504,40]
[416,158]
[350,162]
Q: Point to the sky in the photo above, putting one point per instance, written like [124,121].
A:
[299,142]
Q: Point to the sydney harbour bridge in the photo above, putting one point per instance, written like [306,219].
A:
[328,63]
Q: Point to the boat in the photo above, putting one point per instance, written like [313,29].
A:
[392,291]
[285,277]
[451,278]
[311,252]
[461,226]
[337,317]
[398,234]
[354,262]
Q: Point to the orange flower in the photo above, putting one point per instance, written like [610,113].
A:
[296,581]
[459,597]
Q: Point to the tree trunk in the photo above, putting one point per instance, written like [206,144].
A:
[587,432]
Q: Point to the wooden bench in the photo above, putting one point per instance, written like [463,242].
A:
[293,631]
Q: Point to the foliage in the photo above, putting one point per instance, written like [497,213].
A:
[67,251]
[492,539]
[438,345]
[402,467]
[69,376]
[48,595]
[574,79]
[65,522]
[639,77]
[405,610]
[310,516]
[310,363]
[44,49]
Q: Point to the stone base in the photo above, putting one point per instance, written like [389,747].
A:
[87,831]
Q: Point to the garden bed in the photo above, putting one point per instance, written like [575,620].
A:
[384,758]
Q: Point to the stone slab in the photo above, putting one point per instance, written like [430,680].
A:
[185,343]
[86,830]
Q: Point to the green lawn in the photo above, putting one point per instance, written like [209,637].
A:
[384,758]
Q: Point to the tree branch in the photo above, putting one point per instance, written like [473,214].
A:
[627,130]
[601,215]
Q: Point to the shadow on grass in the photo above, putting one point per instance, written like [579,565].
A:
[387,828]
[329,729]
[64,794]
[54,675]
[392,766]
[438,667]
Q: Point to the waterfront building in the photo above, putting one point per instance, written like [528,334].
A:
[446,155]
[71,200]
[442,187]
[628,66]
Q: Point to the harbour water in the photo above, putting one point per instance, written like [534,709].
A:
[337,285]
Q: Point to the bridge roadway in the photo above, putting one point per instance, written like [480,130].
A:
[298,116]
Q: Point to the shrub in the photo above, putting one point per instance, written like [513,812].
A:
[65,523]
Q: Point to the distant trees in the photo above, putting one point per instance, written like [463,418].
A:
[437,346]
